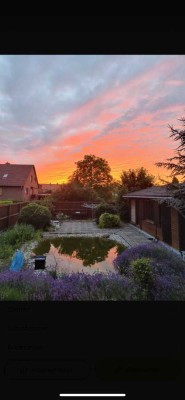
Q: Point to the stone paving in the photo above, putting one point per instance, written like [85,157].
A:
[129,234]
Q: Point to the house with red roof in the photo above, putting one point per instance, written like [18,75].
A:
[18,182]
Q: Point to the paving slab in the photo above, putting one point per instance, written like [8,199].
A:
[130,235]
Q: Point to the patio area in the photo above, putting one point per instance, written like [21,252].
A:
[126,234]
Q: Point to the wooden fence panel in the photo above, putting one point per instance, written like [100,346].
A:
[9,214]
[3,211]
[74,209]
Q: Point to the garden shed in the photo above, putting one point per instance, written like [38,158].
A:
[155,217]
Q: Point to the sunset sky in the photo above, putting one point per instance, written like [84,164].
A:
[54,109]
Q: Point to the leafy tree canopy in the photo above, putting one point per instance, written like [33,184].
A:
[93,172]
[73,191]
[136,179]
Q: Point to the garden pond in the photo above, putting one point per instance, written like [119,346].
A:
[79,254]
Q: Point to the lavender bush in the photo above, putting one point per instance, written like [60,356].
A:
[148,272]
[76,286]
[167,269]
[162,259]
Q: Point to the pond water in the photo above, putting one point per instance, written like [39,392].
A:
[79,254]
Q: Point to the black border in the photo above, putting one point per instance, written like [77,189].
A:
[105,42]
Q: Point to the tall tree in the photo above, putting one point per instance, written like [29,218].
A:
[94,173]
[136,179]
[176,165]
[175,180]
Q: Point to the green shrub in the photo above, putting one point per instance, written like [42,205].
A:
[142,271]
[104,208]
[6,251]
[36,215]
[143,276]
[62,217]
[8,293]
[107,220]
[14,238]
[47,202]
[18,234]
[124,211]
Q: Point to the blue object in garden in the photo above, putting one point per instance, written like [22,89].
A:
[17,262]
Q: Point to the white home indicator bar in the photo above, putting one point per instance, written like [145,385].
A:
[93,395]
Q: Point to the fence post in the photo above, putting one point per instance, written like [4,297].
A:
[9,214]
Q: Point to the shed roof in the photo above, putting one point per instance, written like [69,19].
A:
[14,174]
[152,192]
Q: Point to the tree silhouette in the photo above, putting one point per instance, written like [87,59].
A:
[176,165]
[93,172]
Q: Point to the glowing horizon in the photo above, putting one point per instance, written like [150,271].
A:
[56,109]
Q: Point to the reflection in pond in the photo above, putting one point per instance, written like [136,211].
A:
[77,254]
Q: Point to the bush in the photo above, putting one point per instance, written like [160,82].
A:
[18,234]
[13,238]
[47,202]
[28,285]
[124,211]
[162,259]
[11,294]
[6,251]
[165,271]
[142,271]
[143,276]
[76,286]
[104,208]
[107,220]
[36,215]
[62,217]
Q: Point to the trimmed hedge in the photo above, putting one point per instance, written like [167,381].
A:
[107,220]
[104,208]
[36,215]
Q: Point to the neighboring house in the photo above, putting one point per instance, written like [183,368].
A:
[48,187]
[157,219]
[18,182]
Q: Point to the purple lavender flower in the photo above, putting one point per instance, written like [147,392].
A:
[168,280]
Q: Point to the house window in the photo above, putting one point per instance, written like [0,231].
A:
[26,190]
[31,178]
[149,210]
[1,191]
